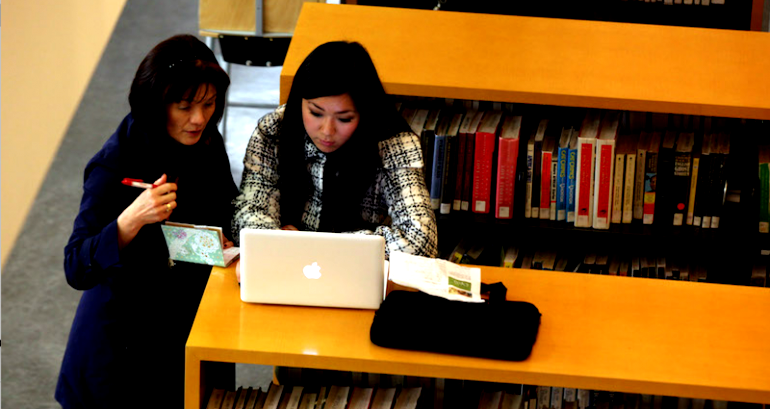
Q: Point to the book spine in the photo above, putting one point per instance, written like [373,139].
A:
[482,172]
[460,161]
[681,187]
[713,191]
[628,189]
[450,171]
[764,197]
[530,173]
[545,185]
[664,191]
[554,188]
[641,163]
[693,189]
[437,175]
[720,191]
[585,185]
[536,176]
[561,194]
[506,177]
[605,161]
[702,190]
[617,188]
[470,146]
[650,181]
[571,184]
[543,397]
[428,141]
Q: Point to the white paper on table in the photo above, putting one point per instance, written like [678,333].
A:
[436,277]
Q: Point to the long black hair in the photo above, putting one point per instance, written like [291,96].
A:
[174,70]
[332,69]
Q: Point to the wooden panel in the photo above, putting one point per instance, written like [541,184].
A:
[33,35]
[548,61]
[234,16]
[239,16]
[598,332]
[281,15]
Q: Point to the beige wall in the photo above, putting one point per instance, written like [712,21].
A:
[50,48]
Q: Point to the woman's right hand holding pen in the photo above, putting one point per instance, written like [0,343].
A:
[153,205]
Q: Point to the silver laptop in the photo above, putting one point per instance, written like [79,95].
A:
[308,268]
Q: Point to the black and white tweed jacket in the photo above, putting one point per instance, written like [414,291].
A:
[398,200]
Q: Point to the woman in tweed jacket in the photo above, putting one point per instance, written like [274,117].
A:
[337,157]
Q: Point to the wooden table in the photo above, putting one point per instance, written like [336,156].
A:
[598,332]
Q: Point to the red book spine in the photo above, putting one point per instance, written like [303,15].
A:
[545,182]
[604,194]
[482,172]
[506,177]
[470,143]
[584,201]
[456,202]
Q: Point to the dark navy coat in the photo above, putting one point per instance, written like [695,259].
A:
[127,339]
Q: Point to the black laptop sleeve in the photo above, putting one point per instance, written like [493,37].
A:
[497,328]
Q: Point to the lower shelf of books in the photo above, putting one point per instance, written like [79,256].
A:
[314,389]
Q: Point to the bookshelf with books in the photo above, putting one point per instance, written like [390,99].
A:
[590,65]
[622,75]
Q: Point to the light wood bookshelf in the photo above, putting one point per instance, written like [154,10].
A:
[614,333]
[531,60]
[598,332]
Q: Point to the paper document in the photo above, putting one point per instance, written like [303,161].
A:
[436,277]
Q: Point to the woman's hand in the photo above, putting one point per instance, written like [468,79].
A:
[238,271]
[289,227]
[152,206]
[227,244]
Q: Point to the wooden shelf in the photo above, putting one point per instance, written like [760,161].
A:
[548,61]
[598,332]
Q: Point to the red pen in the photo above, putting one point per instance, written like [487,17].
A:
[138,183]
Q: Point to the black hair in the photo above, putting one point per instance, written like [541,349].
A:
[333,69]
[172,71]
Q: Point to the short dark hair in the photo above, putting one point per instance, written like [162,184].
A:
[174,70]
[331,69]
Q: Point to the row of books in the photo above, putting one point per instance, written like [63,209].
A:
[603,174]
[300,397]
[686,2]
[546,397]
[630,264]
[611,167]
[449,394]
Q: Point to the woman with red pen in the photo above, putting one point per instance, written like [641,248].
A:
[165,161]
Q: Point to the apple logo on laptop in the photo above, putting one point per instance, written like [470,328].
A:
[312,271]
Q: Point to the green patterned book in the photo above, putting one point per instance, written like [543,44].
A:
[197,244]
